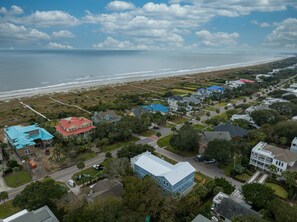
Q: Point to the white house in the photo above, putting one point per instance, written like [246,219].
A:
[293,147]
[178,178]
[269,101]
[259,79]
[263,155]
[245,117]
[234,84]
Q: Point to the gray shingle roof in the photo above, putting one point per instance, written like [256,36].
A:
[235,131]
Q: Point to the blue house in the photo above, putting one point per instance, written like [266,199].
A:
[26,139]
[216,89]
[156,108]
[174,179]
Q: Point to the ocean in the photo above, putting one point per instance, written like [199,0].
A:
[36,71]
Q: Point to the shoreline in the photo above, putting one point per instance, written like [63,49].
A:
[95,84]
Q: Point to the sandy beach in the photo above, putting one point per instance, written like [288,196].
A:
[93,84]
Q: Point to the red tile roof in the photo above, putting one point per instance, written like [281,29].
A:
[246,81]
[76,123]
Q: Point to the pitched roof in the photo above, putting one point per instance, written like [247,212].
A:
[156,108]
[230,208]
[281,154]
[108,115]
[201,218]
[159,167]
[235,131]
[215,88]
[138,111]
[77,124]
[211,135]
[246,80]
[107,187]
[20,135]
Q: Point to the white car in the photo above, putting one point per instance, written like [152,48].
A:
[71,183]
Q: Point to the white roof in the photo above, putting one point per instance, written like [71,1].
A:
[159,167]
[16,215]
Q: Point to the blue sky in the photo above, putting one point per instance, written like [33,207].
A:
[137,24]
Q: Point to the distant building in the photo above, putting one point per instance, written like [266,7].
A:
[259,77]
[293,147]
[173,102]
[43,214]
[201,218]
[108,116]
[245,117]
[74,126]
[258,107]
[178,178]
[234,84]
[137,112]
[235,131]
[208,136]
[264,155]
[191,100]
[216,89]
[246,81]
[203,93]
[226,208]
[156,108]
[269,101]
[26,139]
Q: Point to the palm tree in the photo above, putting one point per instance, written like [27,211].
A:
[272,168]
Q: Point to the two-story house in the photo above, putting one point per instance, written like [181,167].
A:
[263,155]
[174,179]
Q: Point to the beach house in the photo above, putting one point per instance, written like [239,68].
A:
[108,116]
[263,155]
[293,147]
[234,131]
[27,139]
[174,179]
[217,89]
[74,126]
[156,108]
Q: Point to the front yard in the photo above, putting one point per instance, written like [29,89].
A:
[117,145]
[7,209]
[85,156]
[243,177]
[90,171]
[18,178]
[278,190]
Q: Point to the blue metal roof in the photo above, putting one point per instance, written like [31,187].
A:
[215,88]
[156,108]
[19,135]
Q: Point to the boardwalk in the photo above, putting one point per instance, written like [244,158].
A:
[38,113]
[65,104]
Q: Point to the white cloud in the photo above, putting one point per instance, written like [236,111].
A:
[3,10]
[217,38]
[111,43]
[16,10]
[54,45]
[10,33]
[120,6]
[63,34]
[263,24]
[49,18]
[285,34]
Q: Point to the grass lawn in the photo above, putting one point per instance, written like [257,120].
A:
[210,108]
[201,178]
[222,104]
[190,88]
[17,179]
[164,141]
[198,127]
[148,133]
[114,146]
[90,171]
[169,125]
[179,120]
[85,156]
[7,209]
[279,190]
[184,91]
[244,177]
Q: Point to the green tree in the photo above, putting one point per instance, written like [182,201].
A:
[220,150]
[80,165]
[118,168]
[248,218]
[259,195]
[186,139]
[273,169]
[132,150]
[265,116]
[39,194]
[108,155]
[224,185]
[287,108]
[3,195]
[286,129]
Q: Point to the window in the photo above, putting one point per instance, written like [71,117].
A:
[276,162]
[164,182]
[282,164]
[167,184]
[27,152]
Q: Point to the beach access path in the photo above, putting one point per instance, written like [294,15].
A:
[66,104]
[38,113]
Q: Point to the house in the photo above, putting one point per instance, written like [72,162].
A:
[212,135]
[173,102]
[156,108]
[235,131]
[191,100]
[226,207]
[269,101]
[234,84]
[246,81]
[105,188]
[201,218]
[258,107]
[259,77]
[175,179]
[43,214]
[293,147]
[26,139]
[74,126]
[137,112]
[108,116]
[218,89]
[203,93]
[263,155]
[245,117]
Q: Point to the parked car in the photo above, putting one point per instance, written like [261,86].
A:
[209,161]
[98,167]
[79,177]
[199,158]
[32,164]
[71,183]
[156,127]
